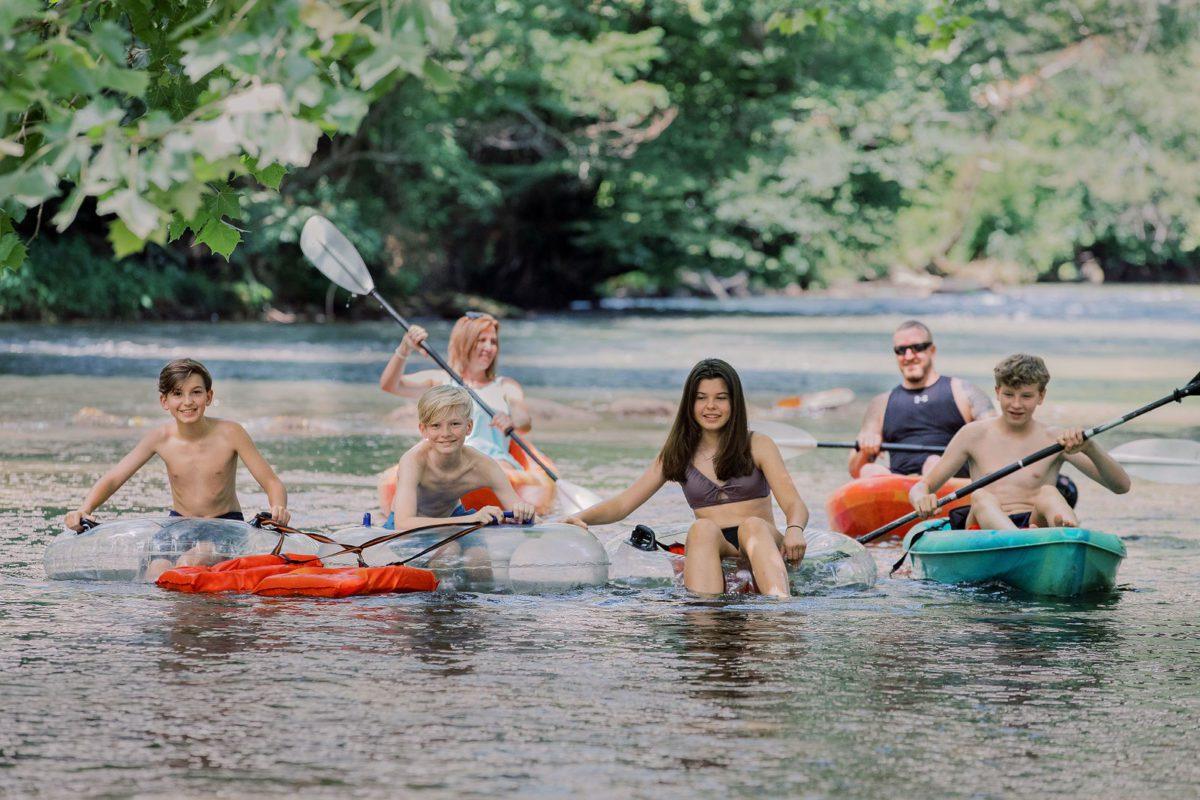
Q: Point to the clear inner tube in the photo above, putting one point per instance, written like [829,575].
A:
[140,550]
[524,559]
[831,561]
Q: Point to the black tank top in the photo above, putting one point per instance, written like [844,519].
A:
[920,416]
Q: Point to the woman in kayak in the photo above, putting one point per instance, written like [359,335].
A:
[728,475]
[473,353]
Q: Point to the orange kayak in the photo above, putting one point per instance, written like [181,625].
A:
[531,483]
[864,504]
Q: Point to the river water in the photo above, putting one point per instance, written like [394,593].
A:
[120,690]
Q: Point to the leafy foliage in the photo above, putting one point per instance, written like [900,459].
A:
[540,149]
[162,112]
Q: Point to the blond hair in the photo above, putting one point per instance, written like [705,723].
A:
[1022,369]
[463,336]
[439,402]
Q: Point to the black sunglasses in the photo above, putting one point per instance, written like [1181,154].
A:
[919,347]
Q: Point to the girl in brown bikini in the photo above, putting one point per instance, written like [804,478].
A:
[728,476]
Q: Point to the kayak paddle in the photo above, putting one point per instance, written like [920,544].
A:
[338,259]
[793,441]
[1174,461]
[1192,389]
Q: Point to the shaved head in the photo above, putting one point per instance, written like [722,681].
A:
[918,325]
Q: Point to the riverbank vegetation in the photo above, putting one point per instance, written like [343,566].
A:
[161,163]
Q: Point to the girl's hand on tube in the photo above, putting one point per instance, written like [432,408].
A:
[74,520]
[793,546]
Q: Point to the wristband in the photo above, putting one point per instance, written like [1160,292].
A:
[801,527]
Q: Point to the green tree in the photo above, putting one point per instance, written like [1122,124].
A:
[164,113]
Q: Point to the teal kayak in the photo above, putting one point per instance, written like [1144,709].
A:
[1059,562]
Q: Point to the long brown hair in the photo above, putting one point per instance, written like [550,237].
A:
[465,333]
[733,457]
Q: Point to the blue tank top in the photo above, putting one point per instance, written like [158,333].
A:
[920,416]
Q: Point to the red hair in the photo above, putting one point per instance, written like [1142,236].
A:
[466,332]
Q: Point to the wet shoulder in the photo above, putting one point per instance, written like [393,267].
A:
[976,431]
[477,459]
[415,454]
[159,434]
[227,427]
[762,445]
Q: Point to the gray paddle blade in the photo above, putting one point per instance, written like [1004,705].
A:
[1175,461]
[575,497]
[333,254]
[792,441]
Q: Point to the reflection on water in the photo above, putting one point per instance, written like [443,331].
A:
[119,690]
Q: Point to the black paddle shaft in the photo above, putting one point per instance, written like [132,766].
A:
[1193,388]
[458,379]
[897,448]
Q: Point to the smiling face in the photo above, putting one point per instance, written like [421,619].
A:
[187,400]
[1017,403]
[914,355]
[446,433]
[485,349]
[712,407]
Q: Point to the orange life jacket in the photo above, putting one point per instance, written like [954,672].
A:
[295,575]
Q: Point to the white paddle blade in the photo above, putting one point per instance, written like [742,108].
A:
[332,253]
[792,441]
[1175,461]
[575,497]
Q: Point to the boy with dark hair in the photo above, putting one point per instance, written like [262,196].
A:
[201,454]
[1028,497]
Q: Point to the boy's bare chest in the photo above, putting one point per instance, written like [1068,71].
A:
[199,459]
[448,479]
[995,451]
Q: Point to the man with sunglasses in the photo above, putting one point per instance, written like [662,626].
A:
[926,408]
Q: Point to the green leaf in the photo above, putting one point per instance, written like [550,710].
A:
[109,40]
[225,202]
[141,217]
[439,78]
[346,109]
[13,10]
[124,242]
[219,236]
[177,227]
[73,70]
[70,207]
[128,81]
[271,176]
[389,57]
[187,198]
[29,187]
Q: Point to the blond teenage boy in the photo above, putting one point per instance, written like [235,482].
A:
[1028,497]
[201,454]
[440,469]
